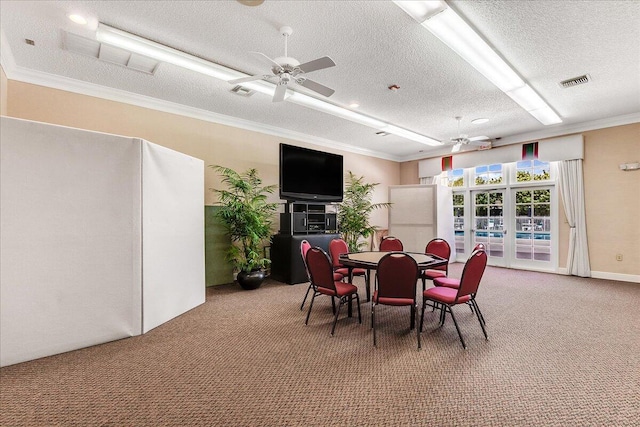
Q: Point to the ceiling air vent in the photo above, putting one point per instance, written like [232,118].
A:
[575,81]
[104,52]
[242,91]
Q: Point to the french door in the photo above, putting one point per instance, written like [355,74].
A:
[489,226]
[514,224]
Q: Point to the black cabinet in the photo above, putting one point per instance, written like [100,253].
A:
[286,260]
[308,218]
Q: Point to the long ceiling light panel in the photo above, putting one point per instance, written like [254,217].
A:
[132,43]
[452,30]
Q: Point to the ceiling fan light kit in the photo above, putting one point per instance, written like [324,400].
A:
[452,30]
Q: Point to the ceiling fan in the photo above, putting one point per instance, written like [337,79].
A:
[481,142]
[289,70]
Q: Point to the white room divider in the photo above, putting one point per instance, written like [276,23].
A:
[76,209]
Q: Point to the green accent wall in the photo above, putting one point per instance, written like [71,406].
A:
[217,270]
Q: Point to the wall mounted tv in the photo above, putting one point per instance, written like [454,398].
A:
[310,175]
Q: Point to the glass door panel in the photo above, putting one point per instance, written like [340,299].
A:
[489,224]
[459,222]
[533,234]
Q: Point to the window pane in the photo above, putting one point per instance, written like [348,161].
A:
[480,180]
[495,211]
[481,170]
[458,212]
[495,168]
[481,211]
[458,199]
[495,198]
[481,199]
[541,210]
[525,164]
[523,196]
[523,210]
[541,196]
[522,176]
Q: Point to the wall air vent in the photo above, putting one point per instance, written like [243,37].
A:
[242,91]
[575,81]
[104,52]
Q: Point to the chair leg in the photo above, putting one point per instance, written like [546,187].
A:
[424,284]
[413,317]
[480,319]
[333,305]
[443,313]
[418,329]
[373,322]
[478,312]
[305,296]
[424,304]
[335,319]
[306,322]
[457,328]
[358,302]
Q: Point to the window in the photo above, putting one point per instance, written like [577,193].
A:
[489,174]
[532,170]
[455,178]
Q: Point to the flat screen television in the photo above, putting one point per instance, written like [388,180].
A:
[310,175]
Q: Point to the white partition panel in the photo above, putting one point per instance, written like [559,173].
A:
[413,215]
[70,256]
[101,238]
[173,234]
[421,213]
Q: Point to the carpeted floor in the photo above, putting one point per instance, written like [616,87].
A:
[562,351]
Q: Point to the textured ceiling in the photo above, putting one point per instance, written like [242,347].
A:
[374,44]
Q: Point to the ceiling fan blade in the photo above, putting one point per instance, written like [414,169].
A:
[317,87]
[281,90]
[317,64]
[246,79]
[271,61]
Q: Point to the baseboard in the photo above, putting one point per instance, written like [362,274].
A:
[635,278]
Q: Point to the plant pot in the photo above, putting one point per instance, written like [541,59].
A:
[251,280]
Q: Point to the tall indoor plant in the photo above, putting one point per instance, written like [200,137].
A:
[354,211]
[248,219]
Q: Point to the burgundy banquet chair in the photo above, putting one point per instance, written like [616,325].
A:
[396,280]
[304,247]
[390,244]
[323,283]
[337,247]
[441,248]
[447,297]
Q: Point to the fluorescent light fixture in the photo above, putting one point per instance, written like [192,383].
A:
[124,40]
[452,30]
[159,52]
[479,121]
[410,135]
[478,138]
[317,104]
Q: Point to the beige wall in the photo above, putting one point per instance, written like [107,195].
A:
[214,143]
[409,173]
[3,93]
[613,198]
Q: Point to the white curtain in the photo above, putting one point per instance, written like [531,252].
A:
[571,185]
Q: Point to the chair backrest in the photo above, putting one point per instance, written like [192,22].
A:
[390,244]
[304,248]
[397,276]
[479,246]
[320,270]
[472,273]
[441,248]
[337,247]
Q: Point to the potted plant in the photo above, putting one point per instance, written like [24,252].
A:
[354,211]
[248,218]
